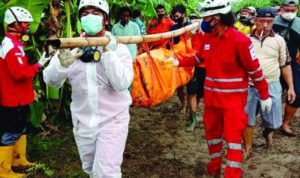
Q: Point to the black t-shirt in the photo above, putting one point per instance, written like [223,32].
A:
[292,36]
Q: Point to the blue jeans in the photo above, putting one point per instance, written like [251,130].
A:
[273,119]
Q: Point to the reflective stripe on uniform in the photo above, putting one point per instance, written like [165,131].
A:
[234,146]
[214,141]
[233,164]
[227,90]
[215,155]
[253,72]
[224,80]
[258,79]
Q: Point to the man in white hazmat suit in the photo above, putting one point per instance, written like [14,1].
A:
[100,96]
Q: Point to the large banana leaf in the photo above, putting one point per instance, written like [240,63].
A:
[35,7]
[36,113]
[238,5]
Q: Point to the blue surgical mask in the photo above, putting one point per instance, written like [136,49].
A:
[92,24]
[206,27]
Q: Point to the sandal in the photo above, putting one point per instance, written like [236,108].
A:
[288,134]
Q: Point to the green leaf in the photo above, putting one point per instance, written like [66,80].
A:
[52,93]
[36,113]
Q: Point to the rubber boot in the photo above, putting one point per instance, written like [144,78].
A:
[247,137]
[5,163]
[19,154]
[195,121]
[268,135]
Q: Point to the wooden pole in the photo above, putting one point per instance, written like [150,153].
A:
[102,41]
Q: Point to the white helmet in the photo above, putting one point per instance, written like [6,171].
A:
[100,4]
[18,14]
[213,7]
[253,10]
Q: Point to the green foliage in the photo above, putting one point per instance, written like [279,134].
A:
[36,113]
[240,4]
[237,6]
[35,7]
[40,167]
[71,27]
[147,7]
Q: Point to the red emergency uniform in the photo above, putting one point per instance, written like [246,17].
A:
[16,87]
[229,61]
[197,41]
[156,26]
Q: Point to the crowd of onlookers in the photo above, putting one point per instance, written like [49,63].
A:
[284,23]
[244,63]
[275,34]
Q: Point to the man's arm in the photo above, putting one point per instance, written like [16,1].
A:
[17,67]
[190,61]
[118,67]
[149,31]
[55,74]
[251,64]
[287,75]
[284,62]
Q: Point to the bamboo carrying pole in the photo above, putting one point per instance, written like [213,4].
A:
[102,41]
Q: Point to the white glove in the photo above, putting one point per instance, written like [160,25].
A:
[112,45]
[174,61]
[67,57]
[266,105]
[43,60]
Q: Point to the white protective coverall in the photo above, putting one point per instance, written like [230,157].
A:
[100,108]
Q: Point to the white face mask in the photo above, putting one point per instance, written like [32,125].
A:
[92,24]
[289,16]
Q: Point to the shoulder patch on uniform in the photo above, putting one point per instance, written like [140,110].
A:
[7,45]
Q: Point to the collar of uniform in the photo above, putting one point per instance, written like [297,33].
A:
[14,38]
[252,34]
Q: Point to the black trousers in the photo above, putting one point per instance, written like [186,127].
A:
[13,120]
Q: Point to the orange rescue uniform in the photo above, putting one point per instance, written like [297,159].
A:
[156,26]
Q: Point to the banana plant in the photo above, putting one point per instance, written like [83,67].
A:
[238,5]
[59,18]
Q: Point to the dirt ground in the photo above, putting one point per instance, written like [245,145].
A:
[159,147]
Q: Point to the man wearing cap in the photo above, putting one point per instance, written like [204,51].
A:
[273,57]
[288,26]
[100,96]
[229,60]
[244,23]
